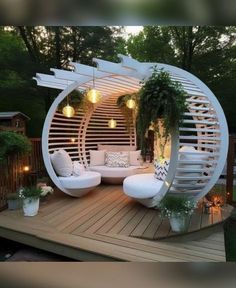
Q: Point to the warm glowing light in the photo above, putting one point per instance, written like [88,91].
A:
[26,168]
[68,111]
[73,140]
[93,96]
[112,123]
[131,104]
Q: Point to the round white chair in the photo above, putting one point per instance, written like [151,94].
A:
[78,186]
[144,188]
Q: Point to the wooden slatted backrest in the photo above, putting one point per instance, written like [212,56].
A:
[81,133]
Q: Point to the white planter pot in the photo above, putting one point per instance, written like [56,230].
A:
[179,223]
[161,169]
[30,206]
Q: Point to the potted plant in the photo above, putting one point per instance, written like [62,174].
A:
[161,108]
[13,201]
[46,191]
[30,196]
[178,210]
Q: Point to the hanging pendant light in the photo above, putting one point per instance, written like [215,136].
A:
[131,104]
[94,95]
[112,123]
[68,110]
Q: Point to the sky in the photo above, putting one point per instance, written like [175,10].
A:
[134,30]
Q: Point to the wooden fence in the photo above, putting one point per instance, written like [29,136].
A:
[14,173]
[230,170]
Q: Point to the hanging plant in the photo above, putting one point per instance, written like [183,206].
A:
[127,112]
[161,105]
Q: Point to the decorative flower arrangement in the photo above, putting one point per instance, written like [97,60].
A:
[30,192]
[46,190]
[176,206]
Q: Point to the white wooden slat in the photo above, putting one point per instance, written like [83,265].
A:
[197,162]
[63,129]
[213,146]
[199,101]
[200,115]
[186,121]
[191,178]
[210,130]
[192,137]
[199,108]
[188,186]
[191,170]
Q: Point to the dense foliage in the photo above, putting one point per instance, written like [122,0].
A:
[12,143]
[160,98]
[173,205]
[129,114]
[209,52]
[27,50]
[30,192]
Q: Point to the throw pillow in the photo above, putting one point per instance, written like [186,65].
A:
[78,169]
[62,163]
[134,158]
[117,159]
[97,158]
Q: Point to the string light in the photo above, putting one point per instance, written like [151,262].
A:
[112,123]
[94,95]
[68,110]
[131,104]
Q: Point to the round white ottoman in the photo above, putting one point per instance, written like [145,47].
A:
[143,188]
[78,186]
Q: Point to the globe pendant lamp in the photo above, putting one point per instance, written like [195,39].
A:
[93,95]
[68,110]
[112,123]
[131,103]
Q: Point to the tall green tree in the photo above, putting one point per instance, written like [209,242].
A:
[206,51]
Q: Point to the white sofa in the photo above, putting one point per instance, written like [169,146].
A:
[111,175]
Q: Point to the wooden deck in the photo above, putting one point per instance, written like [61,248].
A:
[106,225]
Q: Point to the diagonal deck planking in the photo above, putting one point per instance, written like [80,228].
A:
[107,225]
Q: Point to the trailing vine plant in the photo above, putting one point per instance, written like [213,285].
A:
[128,113]
[161,104]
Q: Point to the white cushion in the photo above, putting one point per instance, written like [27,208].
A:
[97,158]
[78,169]
[88,179]
[117,159]
[116,148]
[62,163]
[134,158]
[192,155]
[114,172]
[142,186]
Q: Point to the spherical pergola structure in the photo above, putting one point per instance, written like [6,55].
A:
[204,126]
